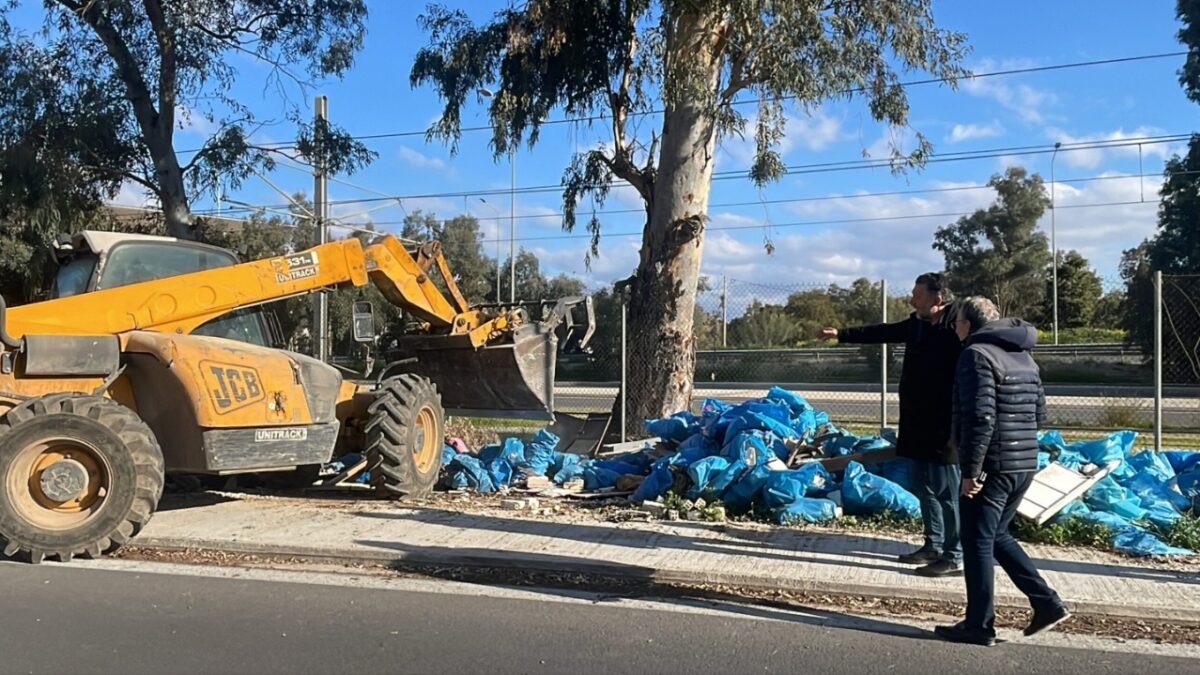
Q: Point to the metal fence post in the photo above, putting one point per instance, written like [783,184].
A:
[883,360]
[724,311]
[1158,361]
[624,365]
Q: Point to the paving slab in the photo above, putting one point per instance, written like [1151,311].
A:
[747,555]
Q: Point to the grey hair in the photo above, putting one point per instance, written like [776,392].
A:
[977,311]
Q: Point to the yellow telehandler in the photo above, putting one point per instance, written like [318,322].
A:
[155,356]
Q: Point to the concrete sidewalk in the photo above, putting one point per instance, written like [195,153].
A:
[752,556]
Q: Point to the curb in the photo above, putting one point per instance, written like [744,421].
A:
[626,573]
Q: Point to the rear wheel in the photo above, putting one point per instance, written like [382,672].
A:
[81,475]
[405,437]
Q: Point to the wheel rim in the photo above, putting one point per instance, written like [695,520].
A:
[425,440]
[58,483]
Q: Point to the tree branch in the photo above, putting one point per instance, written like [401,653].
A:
[137,91]
[167,68]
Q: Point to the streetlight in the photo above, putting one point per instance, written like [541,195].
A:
[512,216]
[1054,244]
[498,262]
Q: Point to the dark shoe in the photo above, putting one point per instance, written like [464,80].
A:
[921,556]
[959,633]
[1045,620]
[941,568]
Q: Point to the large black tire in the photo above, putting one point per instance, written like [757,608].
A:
[404,436]
[97,437]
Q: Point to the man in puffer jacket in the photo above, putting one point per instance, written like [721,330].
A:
[998,405]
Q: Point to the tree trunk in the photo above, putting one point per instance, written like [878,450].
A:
[663,291]
[171,193]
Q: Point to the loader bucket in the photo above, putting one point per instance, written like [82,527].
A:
[510,379]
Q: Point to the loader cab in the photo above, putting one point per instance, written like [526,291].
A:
[92,261]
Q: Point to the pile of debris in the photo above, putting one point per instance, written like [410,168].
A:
[776,457]
[779,459]
[1132,492]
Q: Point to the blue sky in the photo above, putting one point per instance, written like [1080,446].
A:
[1131,100]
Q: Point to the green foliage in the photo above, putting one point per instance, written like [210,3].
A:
[997,252]
[1110,310]
[151,68]
[1079,293]
[1185,533]
[1175,247]
[1071,532]
[1074,336]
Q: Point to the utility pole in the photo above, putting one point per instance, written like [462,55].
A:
[724,311]
[321,213]
[1054,243]
[512,225]
[883,360]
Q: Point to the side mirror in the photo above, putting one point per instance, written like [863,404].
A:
[363,322]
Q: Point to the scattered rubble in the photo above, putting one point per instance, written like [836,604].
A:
[777,459]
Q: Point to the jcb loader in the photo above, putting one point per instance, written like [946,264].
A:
[154,356]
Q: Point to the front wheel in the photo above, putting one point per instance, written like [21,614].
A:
[404,436]
[81,476]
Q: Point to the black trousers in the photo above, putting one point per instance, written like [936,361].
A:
[985,538]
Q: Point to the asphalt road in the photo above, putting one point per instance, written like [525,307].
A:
[139,618]
[1076,407]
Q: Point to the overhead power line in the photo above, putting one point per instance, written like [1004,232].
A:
[853,90]
[807,169]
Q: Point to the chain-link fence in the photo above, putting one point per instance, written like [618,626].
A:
[751,335]
[1179,334]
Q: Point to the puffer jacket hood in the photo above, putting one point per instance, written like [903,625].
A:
[1008,334]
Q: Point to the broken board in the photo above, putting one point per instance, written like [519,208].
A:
[1053,488]
[581,435]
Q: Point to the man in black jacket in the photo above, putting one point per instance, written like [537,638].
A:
[999,403]
[926,381]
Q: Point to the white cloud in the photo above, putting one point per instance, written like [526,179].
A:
[1090,158]
[967,132]
[192,121]
[419,160]
[135,194]
[812,133]
[1029,103]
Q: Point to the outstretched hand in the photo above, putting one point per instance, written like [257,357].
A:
[828,333]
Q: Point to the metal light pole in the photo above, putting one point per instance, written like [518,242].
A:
[321,211]
[512,225]
[499,262]
[512,217]
[1054,244]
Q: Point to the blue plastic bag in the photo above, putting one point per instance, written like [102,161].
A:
[448,453]
[678,427]
[806,510]
[1141,542]
[656,484]
[1182,461]
[501,471]
[758,415]
[596,477]
[702,474]
[1112,448]
[740,496]
[784,487]
[567,466]
[719,483]
[466,471]
[540,453]
[747,448]
[864,493]
[1153,463]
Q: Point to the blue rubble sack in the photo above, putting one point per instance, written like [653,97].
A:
[864,493]
[806,510]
